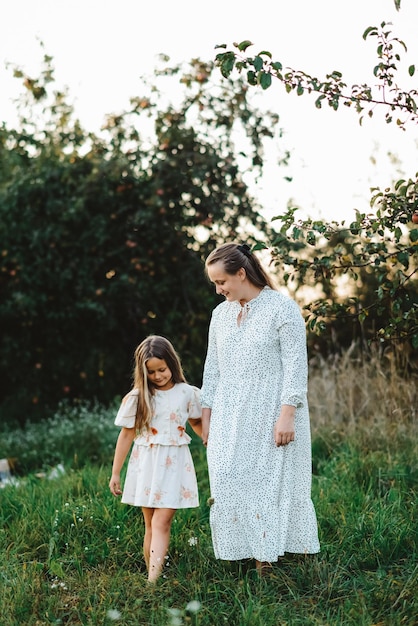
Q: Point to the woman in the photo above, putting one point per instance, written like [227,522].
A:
[255,418]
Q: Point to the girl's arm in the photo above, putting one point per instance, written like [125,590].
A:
[196,424]
[123,445]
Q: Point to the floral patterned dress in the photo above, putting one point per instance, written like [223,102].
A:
[261,493]
[160,472]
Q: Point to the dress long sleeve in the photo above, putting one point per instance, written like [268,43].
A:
[211,368]
[292,338]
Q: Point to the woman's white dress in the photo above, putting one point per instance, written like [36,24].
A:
[261,493]
[160,472]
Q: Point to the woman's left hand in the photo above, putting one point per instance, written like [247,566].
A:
[284,428]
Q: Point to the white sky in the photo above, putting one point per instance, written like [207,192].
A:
[102,47]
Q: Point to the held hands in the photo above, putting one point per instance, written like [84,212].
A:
[114,485]
[284,428]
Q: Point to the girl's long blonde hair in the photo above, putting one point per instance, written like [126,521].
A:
[158,347]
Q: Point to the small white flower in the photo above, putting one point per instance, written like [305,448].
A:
[192,541]
[113,614]
[174,612]
[193,606]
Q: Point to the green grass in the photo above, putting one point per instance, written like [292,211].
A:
[70,553]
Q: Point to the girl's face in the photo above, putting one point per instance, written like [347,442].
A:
[231,286]
[159,374]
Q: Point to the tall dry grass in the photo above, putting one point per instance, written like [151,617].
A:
[353,394]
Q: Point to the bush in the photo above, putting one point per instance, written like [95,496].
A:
[74,435]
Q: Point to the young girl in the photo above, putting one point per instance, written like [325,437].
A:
[160,475]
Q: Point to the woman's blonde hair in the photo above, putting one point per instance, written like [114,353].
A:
[234,256]
[158,347]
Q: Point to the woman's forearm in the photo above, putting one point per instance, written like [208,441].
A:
[206,413]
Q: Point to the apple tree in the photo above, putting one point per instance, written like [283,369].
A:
[381,244]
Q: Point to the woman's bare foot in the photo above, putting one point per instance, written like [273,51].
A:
[263,568]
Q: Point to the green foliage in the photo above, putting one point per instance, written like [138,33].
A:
[378,252]
[75,435]
[376,255]
[103,236]
[332,89]
[71,553]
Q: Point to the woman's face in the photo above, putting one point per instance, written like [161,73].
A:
[159,373]
[231,286]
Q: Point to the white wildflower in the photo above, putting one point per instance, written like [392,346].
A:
[113,614]
[193,606]
[174,612]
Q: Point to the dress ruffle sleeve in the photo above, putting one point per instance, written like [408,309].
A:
[194,407]
[127,411]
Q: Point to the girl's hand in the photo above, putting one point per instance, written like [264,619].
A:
[114,485]
[284,428]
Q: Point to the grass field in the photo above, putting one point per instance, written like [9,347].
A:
[70,553]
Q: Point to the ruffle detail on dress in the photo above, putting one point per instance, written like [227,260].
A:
[194,406]
[127,411]
[292,400]
[176,437]
[264,534]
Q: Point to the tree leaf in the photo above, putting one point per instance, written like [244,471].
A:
[244,45]
[258,63]
[371,30]
[265,53]
[265,80]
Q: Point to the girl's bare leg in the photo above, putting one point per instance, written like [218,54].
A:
[147,513]
[160,538]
